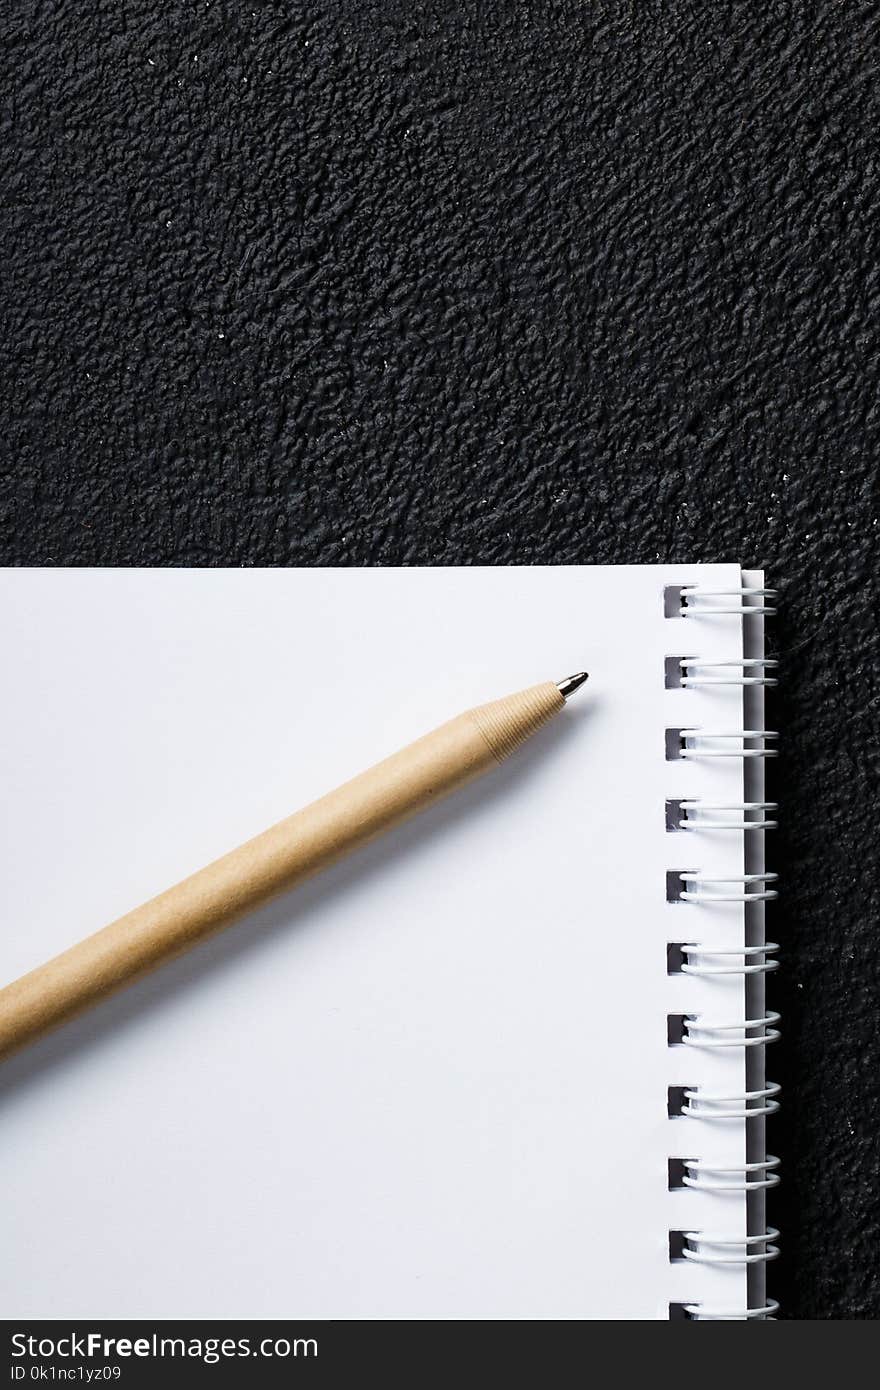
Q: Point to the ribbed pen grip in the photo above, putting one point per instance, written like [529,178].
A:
[507,723]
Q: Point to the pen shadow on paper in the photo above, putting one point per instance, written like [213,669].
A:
[297,911]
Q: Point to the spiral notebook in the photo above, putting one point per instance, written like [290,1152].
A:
[507,1062]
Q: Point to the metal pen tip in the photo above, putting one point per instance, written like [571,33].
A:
[571,684]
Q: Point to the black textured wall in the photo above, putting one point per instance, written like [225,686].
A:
[367,283]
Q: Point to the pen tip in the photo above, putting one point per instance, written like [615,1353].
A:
[571,684]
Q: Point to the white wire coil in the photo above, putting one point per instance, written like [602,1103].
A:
[751,672]
[693,813]
[703,960]
[730,1249]
[697,743]
[707,1105]
[699,1033]
[749,966]
[749,894]
[697,602]
[705,1175]
[700,1312]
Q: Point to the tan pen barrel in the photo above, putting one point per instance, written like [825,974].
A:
[273,862]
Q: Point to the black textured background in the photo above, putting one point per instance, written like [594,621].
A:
[367,283]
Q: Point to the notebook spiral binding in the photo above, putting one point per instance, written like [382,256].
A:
[700,1034]
[715,1250]
[749,966]
[704,1105]
[703,959]
[700,743]
[699,1312]
[692,815]
[696,602]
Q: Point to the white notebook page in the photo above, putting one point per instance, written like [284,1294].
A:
[432,1082]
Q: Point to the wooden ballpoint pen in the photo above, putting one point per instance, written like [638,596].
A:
[275,861]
